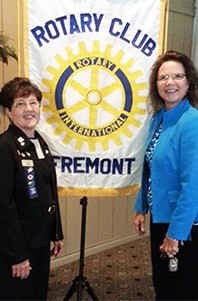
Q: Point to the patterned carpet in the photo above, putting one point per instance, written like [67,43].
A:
[118,274]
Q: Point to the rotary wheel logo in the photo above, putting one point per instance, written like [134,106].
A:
[93,99]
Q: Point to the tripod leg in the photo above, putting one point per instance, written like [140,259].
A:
[84,284]
[90,291]
[72,289]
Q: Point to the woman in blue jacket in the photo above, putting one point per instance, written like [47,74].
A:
[170,178]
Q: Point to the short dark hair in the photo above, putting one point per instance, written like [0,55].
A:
[155,100]
[18,87]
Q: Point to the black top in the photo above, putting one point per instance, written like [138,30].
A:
[27,189]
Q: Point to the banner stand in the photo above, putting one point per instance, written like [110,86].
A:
[80,282]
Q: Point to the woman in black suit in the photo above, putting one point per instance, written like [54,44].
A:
[30,217]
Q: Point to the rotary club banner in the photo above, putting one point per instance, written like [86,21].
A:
[91,59]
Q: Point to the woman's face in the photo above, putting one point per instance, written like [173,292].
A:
[25,113]
[172,89]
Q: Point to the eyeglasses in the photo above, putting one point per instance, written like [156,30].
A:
[174,76]
[22,104]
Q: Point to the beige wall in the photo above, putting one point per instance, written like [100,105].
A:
[109,220]
[180,25]
[8,24]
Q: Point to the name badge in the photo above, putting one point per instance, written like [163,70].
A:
[30,181]
[27,163]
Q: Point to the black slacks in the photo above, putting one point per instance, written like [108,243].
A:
[180,285]
[35,287]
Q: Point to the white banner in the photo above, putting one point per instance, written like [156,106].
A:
[91,60]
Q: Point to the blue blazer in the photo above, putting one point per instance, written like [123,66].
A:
[174,171]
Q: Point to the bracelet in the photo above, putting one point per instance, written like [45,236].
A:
[171,237]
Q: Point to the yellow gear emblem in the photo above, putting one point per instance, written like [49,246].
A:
[94,98]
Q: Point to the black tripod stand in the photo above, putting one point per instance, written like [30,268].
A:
[80,282]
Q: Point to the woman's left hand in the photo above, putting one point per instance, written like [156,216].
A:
[58,248]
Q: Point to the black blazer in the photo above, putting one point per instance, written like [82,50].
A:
[25,222]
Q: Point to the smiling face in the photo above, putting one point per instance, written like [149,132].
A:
[25,114]
[172,91]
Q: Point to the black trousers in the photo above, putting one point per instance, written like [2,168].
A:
[180,285]
[35,287]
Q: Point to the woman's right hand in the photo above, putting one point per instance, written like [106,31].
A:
[139,223]
[21,270]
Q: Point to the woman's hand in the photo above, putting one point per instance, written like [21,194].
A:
[170,246]
[58,248]
[21,270]
[139,223]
